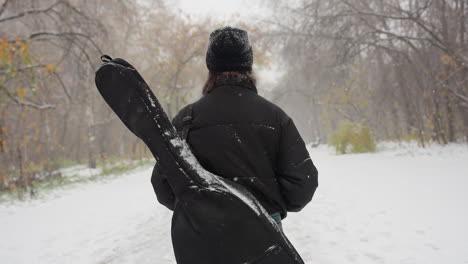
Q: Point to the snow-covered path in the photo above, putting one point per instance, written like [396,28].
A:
[396,206]
[401,206]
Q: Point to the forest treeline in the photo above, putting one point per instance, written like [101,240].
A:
[51,114]
[397,68]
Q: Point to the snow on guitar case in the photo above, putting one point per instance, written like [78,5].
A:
[215,221]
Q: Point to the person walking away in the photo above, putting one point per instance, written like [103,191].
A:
[239,135]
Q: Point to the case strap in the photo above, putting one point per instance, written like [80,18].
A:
[187,123]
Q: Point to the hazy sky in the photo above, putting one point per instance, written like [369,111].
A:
[221,9]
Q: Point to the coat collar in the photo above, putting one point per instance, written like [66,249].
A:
[244,84]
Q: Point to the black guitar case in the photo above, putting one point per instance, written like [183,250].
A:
[215,221]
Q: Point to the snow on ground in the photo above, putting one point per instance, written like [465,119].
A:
[400,205]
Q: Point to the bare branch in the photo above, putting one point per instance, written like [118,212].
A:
[62,84]
[104,122]
[3,7]
[33,105]
[66,34]
[22,69]
[409,17]
[26,103]
[30,12]
[39,11]
[461,97]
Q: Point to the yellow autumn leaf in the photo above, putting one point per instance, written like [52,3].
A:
[446,59]
[49,68]
[24,49]
[21,93]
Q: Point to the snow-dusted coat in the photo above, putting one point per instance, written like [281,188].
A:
[237,134]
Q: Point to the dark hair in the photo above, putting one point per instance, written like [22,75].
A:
[234,76]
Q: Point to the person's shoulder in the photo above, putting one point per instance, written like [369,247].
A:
[183,114]
[280,115]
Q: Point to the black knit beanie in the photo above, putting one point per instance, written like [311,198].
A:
[229,49]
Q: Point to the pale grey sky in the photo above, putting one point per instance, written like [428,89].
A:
[221,9]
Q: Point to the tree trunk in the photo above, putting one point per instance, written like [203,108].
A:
[91,139]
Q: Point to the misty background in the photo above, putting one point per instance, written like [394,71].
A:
[377,88]
[344,70]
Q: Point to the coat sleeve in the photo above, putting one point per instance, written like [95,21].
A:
[297,174]
[161,187]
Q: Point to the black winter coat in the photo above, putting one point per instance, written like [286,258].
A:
[241,136]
